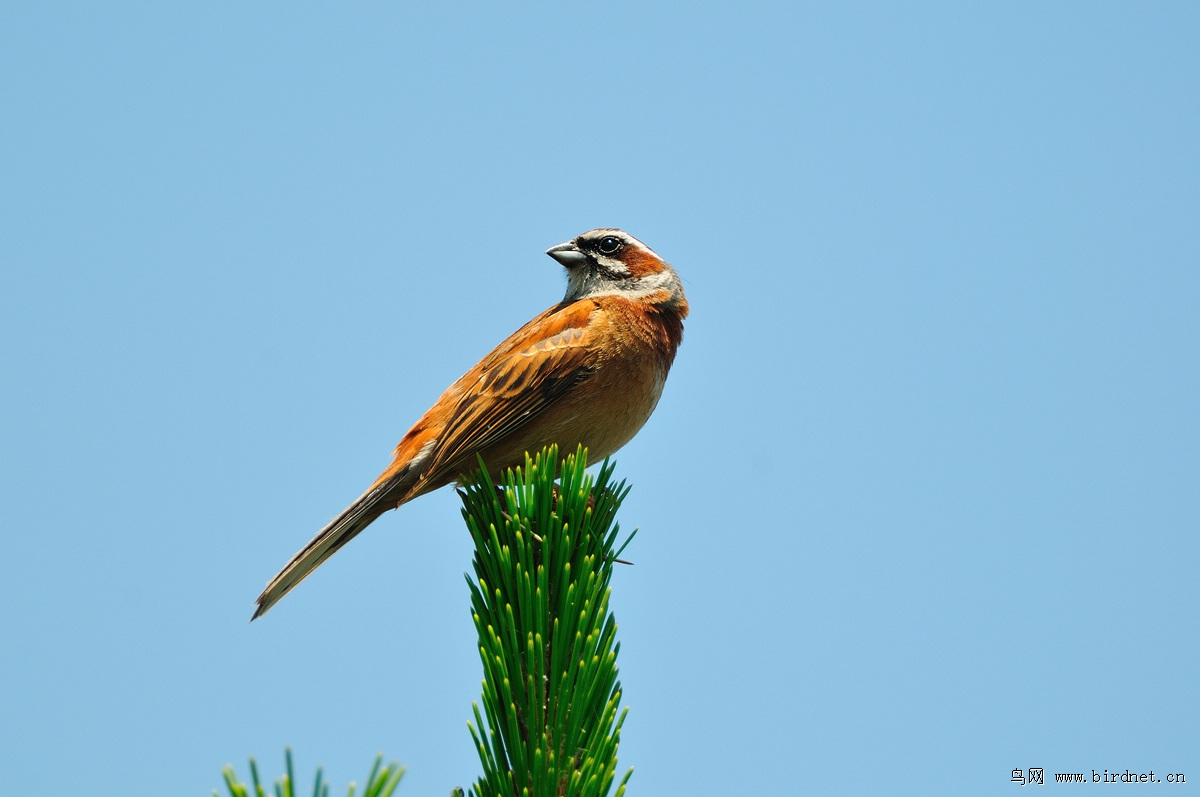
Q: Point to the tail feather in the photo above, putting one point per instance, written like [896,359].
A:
[356,517]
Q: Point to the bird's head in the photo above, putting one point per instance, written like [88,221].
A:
[610,262]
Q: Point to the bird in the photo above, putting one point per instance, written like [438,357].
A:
[588,371]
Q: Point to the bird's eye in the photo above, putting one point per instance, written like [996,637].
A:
[609,245]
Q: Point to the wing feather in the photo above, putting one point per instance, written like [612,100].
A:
[514,384]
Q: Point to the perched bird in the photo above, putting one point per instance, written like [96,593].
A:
[587,371]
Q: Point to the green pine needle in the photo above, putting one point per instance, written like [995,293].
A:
[382,781]
[544,554]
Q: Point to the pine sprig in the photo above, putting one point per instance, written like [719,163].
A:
[544,554]
[382,781]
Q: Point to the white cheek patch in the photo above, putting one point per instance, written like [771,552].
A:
[612,265]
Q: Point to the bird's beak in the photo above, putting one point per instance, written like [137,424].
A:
[568,254]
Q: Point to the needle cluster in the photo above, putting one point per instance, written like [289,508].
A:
[380,783]
[544,554]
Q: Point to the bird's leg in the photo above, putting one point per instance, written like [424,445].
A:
[591,501]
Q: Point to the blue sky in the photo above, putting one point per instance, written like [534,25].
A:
[920,502]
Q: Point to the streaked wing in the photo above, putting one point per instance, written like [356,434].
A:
[515,383]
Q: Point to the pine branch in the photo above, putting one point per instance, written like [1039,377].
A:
[544,555]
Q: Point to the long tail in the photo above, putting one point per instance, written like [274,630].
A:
[341,530]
